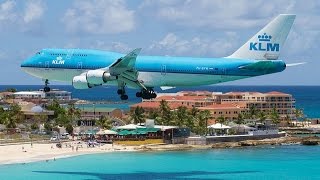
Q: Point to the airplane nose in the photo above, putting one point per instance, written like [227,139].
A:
[26,62]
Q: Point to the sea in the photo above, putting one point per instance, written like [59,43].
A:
[307,97]
[265,162]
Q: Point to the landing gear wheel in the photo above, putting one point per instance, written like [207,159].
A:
[46,89]
[124,97]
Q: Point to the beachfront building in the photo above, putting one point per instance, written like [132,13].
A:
[58,95]
[41,96]
[33,112]
[282,102]
[228,105]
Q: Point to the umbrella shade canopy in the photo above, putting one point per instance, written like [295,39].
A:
[219,126]
[110,132]
[123,132]
[101,132]
[130,127]
[147,130]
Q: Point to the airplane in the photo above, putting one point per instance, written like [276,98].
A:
[86,68]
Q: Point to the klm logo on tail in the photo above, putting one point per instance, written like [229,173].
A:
[264,44]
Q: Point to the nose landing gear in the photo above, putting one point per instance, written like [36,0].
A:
[46,87]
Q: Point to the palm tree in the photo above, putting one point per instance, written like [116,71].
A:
[239,120]
[262,116]
[299,113]
[165,112]
[12,116]
[221,120]
[138,115]
[104,122]
[252,112]
[182,116]
[202,122]
[274,116]
[73,112]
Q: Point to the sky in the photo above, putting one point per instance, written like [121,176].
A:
[198,28]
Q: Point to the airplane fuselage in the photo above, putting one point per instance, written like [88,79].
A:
[64,64]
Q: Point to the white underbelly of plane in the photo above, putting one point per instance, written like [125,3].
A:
[149,79]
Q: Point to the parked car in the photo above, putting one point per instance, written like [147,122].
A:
[54,138]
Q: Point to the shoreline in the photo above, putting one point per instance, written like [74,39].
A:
[24,153]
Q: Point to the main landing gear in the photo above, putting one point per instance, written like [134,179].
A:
[146,94]
[46,87]
[122,94]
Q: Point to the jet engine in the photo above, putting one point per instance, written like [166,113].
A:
[99,76]
[80,82]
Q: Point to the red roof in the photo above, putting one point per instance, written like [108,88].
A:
[182,98]
[156,105]
[276,93]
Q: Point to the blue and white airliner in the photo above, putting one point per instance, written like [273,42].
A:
[89,68]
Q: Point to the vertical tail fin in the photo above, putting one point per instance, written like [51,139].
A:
[268,42]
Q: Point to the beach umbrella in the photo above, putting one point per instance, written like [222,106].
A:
[219,126]
[123,132]
[130,127]
[101,132]
[110,132]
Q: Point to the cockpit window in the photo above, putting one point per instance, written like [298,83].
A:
[38,53]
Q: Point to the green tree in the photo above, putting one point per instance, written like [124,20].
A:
[153,114]
[165,112]
[74,113]
[10,90]
[138,115]
[202,122]
[47,126]
[239,120]
[221,120]
[252,112]
[274,116]
[104,122]
[12,116]
[181,116]
[262,116]
[62,120]
[58,110]
[69,128]
[34,126]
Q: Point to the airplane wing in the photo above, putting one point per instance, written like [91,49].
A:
[124,69]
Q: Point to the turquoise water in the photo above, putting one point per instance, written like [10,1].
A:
[279,162]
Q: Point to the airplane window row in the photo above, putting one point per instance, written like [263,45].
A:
[66,54]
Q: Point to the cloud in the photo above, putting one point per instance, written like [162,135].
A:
[172,44]
[34,10]
[7,11]
[28,20]
[112,46]
[99,17]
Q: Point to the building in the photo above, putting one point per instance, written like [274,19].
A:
[33,112]
[282,102]
[40,96]
[228,105]
[58,95]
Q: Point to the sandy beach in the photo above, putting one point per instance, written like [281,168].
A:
[24,153]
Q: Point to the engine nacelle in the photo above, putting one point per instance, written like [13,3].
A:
[99,77]
[80,82]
